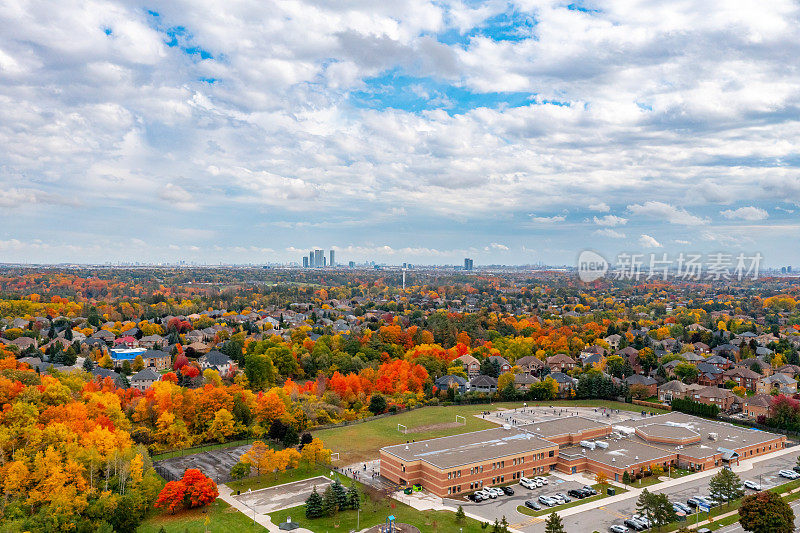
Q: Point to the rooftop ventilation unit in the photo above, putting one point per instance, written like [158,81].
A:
[587,444]
[602,444]
[712,436]
[506,426]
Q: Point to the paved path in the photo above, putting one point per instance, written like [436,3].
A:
[284,496]
[226,495]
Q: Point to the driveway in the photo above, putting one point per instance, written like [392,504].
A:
[282,496]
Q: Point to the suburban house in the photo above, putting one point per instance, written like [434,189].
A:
[444,383]
[561,362]
[157,359]
[777,382]
[216,361]
[565,382]
[701,347]
[630,354]
[485,384]
[644,381]
[722,398]
[790,370]
[143,379]
[718,361]
[523,382]
[471,365]
[757,405]
[743,376]
[709,375]
[613,341]
[505,366]
[530,364]
[753,362]
[671,390]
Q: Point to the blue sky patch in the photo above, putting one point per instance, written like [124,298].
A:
[509,26]
[396,90]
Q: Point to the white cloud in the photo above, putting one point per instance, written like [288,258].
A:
[646,241]
[293,123]
[547,220]
[601,207]
[610,221]
[666,212]
[496,246]
[608,232]
[749,213]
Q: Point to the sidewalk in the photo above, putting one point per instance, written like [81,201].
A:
[226,495]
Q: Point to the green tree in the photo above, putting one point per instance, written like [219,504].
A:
[460,515]
[726,486]
[656,508]
[377,404]
[626,478]
[686,372]
[88,364]
[329,504]
[339,494]
[314,505]
[766,512]
[240,470]
[554,524]
[353,497]
[259,370]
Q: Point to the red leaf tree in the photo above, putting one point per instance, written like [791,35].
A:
[194,490]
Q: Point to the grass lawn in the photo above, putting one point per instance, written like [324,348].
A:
[361,442]
[678,472]
[374,512]
[222,518]
[547,510]
[287,476]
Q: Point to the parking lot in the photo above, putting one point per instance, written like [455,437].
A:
[216,464]
[507,505]
[606,514]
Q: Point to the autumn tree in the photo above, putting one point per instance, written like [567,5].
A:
[261,456]
[766,512]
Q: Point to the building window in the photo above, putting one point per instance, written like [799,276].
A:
[552,453]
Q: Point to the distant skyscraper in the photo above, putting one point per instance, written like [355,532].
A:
[332,262]
[305,262]
[467,263]
[319,256]
[351,264]
[311,259]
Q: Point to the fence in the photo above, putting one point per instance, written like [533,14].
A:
[652,405]
[202,448]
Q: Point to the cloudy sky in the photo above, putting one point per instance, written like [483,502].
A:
[511,132]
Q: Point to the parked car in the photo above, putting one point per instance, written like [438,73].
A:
[475,497]
[796,469]
[576,493]
[564,497]
[483,493]
[683,507]
[530,504]
[635,524]
[542,479]
[493,492]
[693,502]
[643,519]
[789,474]
[546,500]
[590,490]
[508,491]
[616,528]
[752,485]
